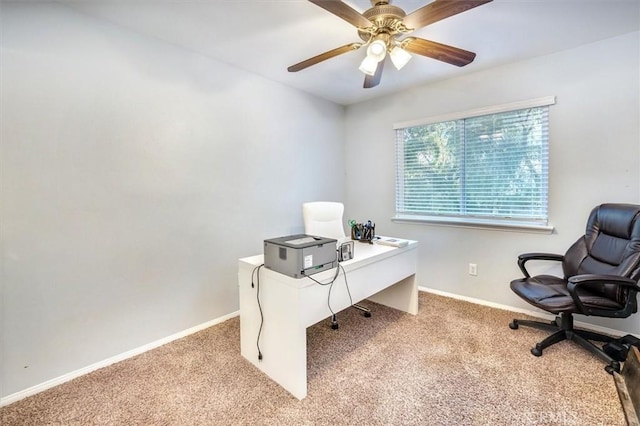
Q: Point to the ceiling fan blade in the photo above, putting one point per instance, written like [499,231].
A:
[441,52]
[373,80]
[439,10]
[344,11]
[324,56]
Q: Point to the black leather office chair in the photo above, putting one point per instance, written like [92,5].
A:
[601,272]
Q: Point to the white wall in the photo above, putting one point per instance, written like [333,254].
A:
[134,174]
[594,153]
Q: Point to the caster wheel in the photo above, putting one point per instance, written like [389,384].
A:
[613,367]
[536,351]
[367,314]
[513,325]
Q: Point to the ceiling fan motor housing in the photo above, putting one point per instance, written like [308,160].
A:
[386,19]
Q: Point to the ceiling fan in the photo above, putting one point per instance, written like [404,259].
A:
[382,27]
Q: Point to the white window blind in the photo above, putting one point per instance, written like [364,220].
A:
[490,167]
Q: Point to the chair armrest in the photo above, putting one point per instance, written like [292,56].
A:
[524,258]
[584,279]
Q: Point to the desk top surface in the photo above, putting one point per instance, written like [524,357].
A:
[364,253]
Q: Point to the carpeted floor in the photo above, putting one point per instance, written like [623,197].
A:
[455,363]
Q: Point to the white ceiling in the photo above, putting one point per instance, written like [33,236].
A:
[266,36]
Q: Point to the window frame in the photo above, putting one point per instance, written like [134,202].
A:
[470,221]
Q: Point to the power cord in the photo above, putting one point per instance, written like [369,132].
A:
[334,320]
[255,283]
[256,273]
[346,283]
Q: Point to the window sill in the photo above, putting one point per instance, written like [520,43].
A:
[496,225]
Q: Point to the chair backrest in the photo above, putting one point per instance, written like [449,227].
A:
[323,219]
[610,246]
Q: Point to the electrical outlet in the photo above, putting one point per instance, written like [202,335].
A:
[473,269]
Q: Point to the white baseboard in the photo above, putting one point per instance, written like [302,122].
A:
[9,399]
[536,314]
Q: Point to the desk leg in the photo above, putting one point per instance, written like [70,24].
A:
[402,296]
[284,357]
[283,340]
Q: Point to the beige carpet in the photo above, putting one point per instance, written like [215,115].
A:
[455,363]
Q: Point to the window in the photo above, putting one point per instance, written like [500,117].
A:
[486,167]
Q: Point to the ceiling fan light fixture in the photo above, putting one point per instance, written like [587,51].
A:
[399,57]
[377,50]
[369,65]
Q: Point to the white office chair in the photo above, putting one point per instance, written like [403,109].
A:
[324,219]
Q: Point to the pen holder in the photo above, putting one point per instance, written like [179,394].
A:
[364,232]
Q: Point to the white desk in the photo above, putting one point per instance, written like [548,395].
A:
[382,274]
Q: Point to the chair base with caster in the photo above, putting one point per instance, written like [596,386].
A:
[365,311]
[562,329]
